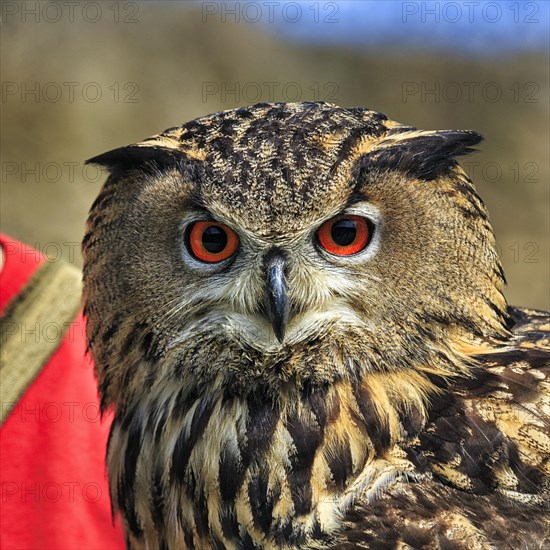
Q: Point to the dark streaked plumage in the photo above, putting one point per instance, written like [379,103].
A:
[387,399]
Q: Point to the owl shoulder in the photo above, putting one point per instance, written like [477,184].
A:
[481,463]
[490,432]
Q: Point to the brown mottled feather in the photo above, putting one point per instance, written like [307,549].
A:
[481,464]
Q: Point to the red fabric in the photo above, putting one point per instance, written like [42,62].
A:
[54,492]
[20,262]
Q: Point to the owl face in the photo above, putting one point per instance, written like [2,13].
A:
[328,240]
[269,292]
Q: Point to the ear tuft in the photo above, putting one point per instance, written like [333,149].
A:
[138,157]
[424,155]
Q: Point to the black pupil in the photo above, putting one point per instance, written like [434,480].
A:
[343,232]
[214,239]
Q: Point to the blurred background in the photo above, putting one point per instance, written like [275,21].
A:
[80,78]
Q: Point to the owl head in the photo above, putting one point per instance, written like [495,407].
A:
[287,245]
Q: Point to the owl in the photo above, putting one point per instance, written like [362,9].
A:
[296,314]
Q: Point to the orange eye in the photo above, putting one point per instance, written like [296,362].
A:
[211,241]
[344,235]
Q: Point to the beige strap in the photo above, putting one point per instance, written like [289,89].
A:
[33,325]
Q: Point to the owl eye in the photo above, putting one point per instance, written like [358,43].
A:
[211,241]
[345,235]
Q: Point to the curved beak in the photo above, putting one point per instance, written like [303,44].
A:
[276,297]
